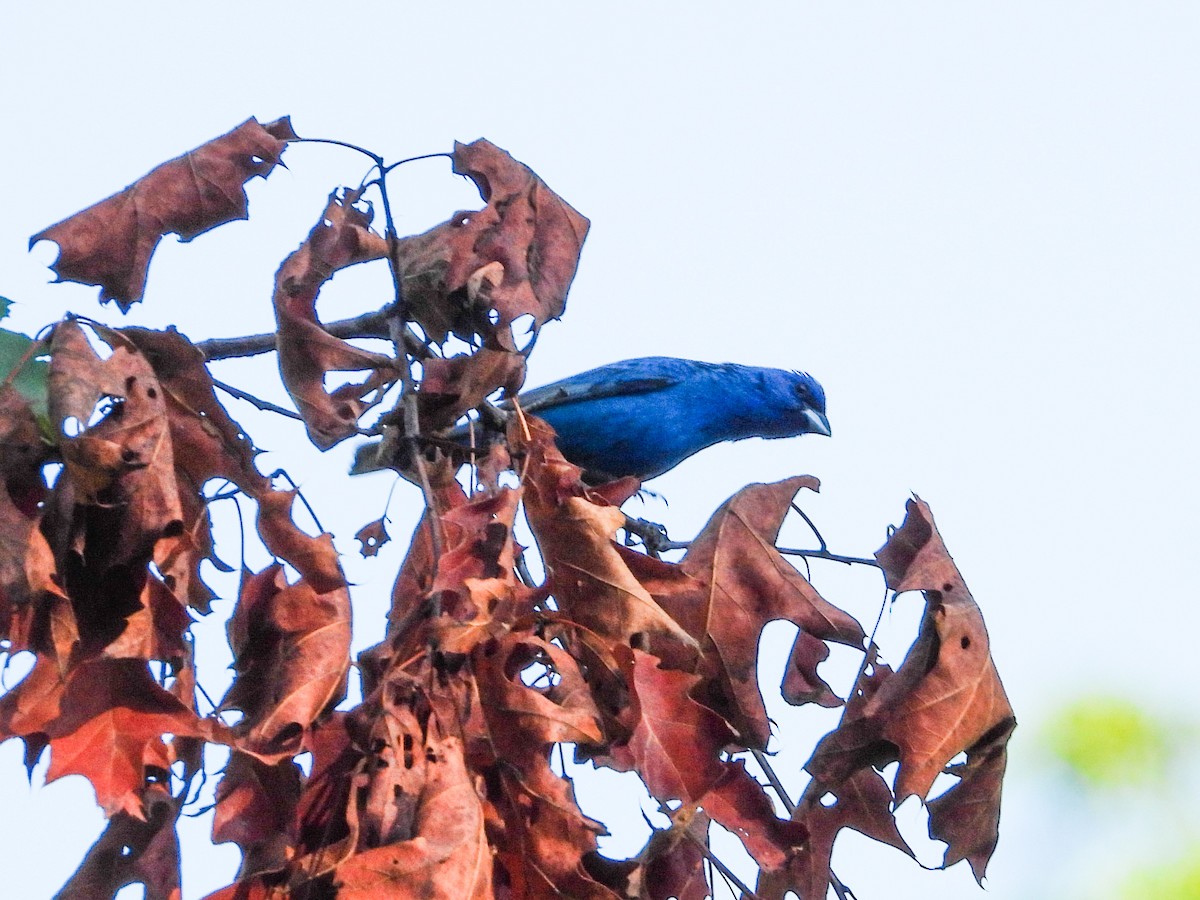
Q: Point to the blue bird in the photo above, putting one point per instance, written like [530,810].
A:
[643,417]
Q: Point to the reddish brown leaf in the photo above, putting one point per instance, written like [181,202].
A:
[516,257]
[675,742]
[952,692]
[746,584]
[123,465]
[944,699]
[741,805]
[291,651]
[801,683]
[574,529]
[207,442]
[157,630]
[27,570]
[326,795]
[452,386]
[863,802]
[562,712]
[110,244]
[673,860]
[105,722]
[448,857]
[256,809]
[372,536]
[313,557]
[307,352]
[541,837]
[967,816]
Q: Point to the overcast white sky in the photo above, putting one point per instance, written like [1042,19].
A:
[976,224]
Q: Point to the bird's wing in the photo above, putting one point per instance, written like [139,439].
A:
[616,380]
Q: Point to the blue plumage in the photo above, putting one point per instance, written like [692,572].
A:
[642,417]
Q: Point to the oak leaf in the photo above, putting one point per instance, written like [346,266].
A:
[256,809]
[106,721]
[110,244]
[448,856]
[745,582]
[575,531]
[862,802]
[480,271]
[946,698]
[291,648]
[307,352]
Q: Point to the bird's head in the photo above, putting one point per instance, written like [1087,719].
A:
[796,404]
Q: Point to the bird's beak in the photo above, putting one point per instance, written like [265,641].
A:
[817,422]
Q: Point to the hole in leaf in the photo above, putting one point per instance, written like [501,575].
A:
[257,160]
[828,799]
[304,761]
[524,330]
[493,316]
[72,427]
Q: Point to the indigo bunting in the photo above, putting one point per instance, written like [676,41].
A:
[642,417]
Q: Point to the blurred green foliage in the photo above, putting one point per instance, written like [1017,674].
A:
[1108,742]
[1174,880]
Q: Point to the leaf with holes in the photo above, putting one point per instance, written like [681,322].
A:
[307,352]
[481,271]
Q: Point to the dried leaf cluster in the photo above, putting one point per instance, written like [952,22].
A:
[439,783]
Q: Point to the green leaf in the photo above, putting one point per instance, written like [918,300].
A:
[32,380]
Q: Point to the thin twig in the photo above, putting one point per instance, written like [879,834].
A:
[397,320]
[264,405]
[374,157]
[268,406]
[769,771]
[835,557]
[843,892]
[812,525]
[384,170]
[725,871]
[282,473]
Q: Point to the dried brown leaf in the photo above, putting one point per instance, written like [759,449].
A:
[517,256]
[110,244]
[307,352]
[291,648]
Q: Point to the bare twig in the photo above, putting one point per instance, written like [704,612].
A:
[835,557]
[264,405]
[839,888]
[398,329]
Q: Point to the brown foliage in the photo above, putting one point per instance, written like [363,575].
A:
[440,783]
[110,244]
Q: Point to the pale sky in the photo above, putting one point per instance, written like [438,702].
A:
[976,224]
